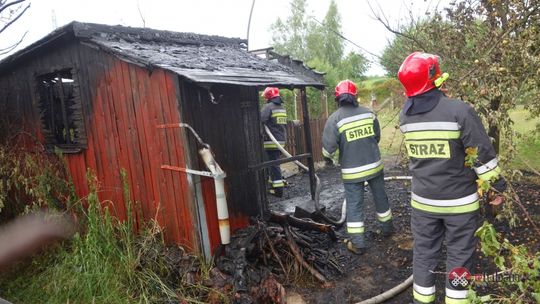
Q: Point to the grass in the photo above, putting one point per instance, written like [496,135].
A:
[391,137]
[106,263]
[371,81]
[528,143]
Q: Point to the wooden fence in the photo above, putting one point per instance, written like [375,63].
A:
[296,143]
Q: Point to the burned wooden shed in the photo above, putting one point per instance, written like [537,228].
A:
[98,93]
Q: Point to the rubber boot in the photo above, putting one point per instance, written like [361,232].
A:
[357,244]
[278,191]
[387,228]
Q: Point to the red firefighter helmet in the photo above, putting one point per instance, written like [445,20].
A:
[418,73]
[345,86]
[270,92]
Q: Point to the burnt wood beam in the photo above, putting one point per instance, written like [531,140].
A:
[64,108]
[309,147]
[279,161]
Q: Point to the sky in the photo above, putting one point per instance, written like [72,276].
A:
[219,17]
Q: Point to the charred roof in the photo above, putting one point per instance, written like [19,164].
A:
[199,58]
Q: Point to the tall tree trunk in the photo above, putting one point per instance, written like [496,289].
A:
[494,130]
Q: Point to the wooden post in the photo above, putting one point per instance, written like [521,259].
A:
[307,134]
[324,101]
[299,105]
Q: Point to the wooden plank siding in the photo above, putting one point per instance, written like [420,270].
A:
[296,143]
[122,105]
[230,125]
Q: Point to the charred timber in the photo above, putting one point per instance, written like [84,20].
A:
[283,218]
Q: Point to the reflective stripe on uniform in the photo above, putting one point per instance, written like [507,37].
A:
[362,171]
[278,183]
[423,298]
[424,290]
[385,216]
[432,135]
[280,115]
[355,227]
[271,144]
[430,126]
[275,113]
[278,111]
[326,153]
[354,118]
[356,123]
[446,203]
[488,171]
[460,205]
[424,294]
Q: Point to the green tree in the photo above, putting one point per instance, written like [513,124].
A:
[490,48]
[321,46]
[332,42]
[290,36]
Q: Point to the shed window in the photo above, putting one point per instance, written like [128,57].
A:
[61,112]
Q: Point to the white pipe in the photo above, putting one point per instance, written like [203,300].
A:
[285,152]
[389,293]
[221,199]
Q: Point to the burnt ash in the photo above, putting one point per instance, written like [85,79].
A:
[389,260]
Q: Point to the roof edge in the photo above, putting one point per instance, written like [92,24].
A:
[53,36]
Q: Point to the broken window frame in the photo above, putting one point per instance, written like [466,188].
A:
[70,112]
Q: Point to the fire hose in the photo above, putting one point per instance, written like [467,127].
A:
[389,293]
[318,184]
[376,299]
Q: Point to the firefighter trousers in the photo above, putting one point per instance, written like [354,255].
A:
[276,179]
[429,231]
[354,194]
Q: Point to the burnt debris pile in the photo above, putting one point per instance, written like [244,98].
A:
[266,256]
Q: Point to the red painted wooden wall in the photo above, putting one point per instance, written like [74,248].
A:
[122,106]
[127,104]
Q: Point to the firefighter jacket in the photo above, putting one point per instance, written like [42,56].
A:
[274,116]
[437,133]
[353,131]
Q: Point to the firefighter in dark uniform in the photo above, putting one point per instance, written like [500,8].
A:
[353,131]
[444,196]
[274,116]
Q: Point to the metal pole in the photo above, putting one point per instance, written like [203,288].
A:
[309,147]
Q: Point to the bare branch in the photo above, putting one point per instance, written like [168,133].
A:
[141,14]
[15,19]
[386,24]
[346,39]
[13,46]
[6,5]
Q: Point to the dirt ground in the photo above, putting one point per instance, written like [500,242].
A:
[389,260]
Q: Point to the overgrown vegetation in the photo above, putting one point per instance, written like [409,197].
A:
[106,261]
[518,280]
[490,48]
[32,179]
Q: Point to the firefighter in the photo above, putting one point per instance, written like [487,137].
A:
[444,198]
[274,116]
[353,132]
